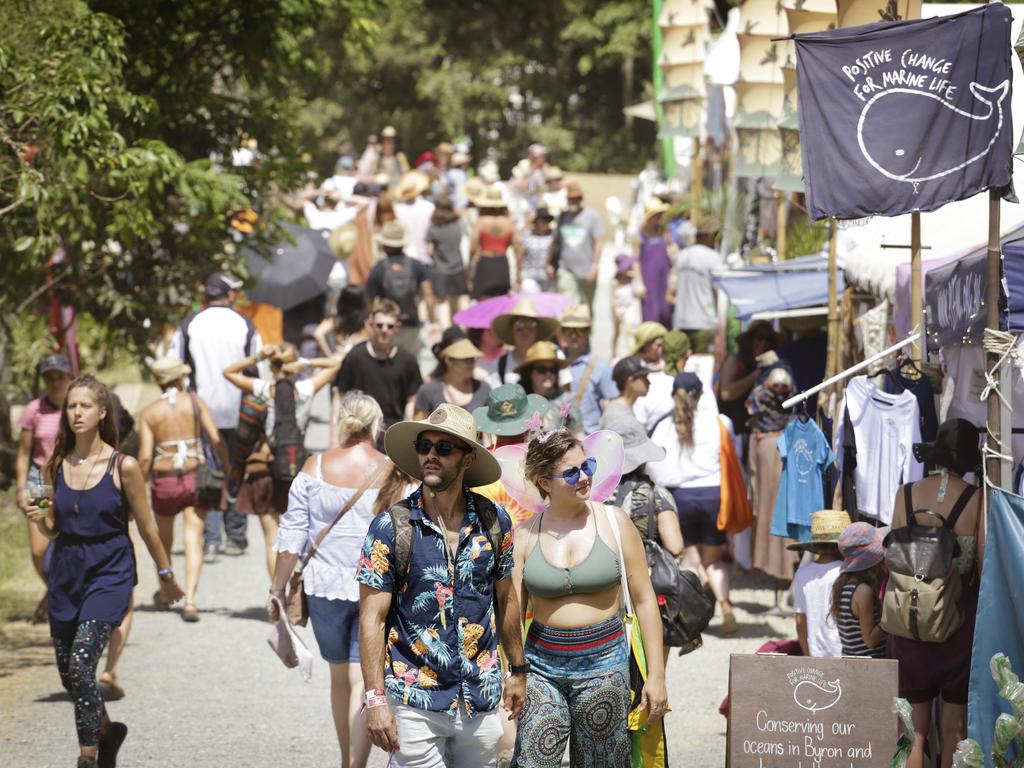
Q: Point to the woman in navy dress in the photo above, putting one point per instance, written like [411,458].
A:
[92,572]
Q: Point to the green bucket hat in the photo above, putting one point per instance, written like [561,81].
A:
[676,346]
[508,410]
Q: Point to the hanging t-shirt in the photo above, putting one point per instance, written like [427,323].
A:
[921,388]
[812,596]
[806,456]
[885,427]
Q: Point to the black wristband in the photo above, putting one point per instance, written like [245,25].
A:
[519,669]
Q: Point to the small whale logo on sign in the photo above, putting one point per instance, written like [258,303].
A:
[891,142]
[814,697]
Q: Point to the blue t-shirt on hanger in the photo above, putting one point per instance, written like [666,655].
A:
[806,456]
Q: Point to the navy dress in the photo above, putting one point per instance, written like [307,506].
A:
[92,568]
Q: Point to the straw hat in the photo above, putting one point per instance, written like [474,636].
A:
[501,326]
[168,369]
[541,352]
[462,349]
[653,207]
[389,132]
[451,420]
[646,333]
[491,198]
[343,240]
[392,235]
[411,186]
[553,173]
[472,189]
[508,410]
[576,316]
[826,528]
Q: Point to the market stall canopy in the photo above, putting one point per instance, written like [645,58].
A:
[788,285]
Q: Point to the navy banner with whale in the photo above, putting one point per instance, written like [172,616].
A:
[905,116]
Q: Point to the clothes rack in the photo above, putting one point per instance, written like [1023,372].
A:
[850,371]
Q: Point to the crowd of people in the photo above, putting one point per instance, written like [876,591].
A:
[438,556]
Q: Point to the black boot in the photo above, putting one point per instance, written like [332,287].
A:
[86,762]
[110,743]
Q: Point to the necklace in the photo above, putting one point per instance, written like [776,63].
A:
[80,491]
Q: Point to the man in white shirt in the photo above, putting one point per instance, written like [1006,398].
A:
[812,585]
[695,307]
[414,214]
[209,341]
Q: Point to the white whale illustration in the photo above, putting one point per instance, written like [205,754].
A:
[882,132]
[814,697]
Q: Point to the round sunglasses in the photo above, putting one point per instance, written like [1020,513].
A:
[443,447]
[571,476]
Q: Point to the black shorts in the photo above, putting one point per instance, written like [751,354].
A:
[698,515]
[448,286]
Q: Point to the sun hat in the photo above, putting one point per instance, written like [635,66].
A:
[169,368]
[541,352]
[861,547]
[543,214]
[343,240]
[461,349]
[450,335]
[689,382]
[676,345]
[646,333]
[955,447]
[220,284]
[623,262]
[412,185]
[473,188]
[491,198]
[627,368]
[501,326]
[553,173]
[573,191]
[576,316]
[445,148]
[826,527]
[639,448]
[392,235]
[653,207]
[488,172]
[451,420]
[508,410]
[54,362]
[389,132]
[536,149]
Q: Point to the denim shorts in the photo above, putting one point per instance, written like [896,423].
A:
[336,628]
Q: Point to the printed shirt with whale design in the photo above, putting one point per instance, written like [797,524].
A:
[442,643]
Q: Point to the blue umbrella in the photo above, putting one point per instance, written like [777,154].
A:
[296,272]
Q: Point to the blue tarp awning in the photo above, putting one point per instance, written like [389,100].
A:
[791,284]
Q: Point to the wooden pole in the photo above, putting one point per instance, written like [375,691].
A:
[992,464]
[697,182]
[832,364]
[916,305]
[780,225]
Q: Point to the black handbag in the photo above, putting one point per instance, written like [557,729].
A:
[209,474]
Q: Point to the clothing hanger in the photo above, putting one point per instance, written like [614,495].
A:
[909,369]
[802,413]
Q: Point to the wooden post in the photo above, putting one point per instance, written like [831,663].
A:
[780,225]
[832,363]
[992,464]
[697,182]
[917,350]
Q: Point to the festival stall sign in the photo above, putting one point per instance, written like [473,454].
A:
[802,712]
[905,116]
[854,13]
[955,301]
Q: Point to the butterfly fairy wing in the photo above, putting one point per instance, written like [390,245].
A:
[512,459]
[605,446]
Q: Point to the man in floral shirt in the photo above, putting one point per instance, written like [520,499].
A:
[428,637]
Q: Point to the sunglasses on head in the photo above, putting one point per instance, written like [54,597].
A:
[546,369]
[385,326]
[571,476]
[443,447]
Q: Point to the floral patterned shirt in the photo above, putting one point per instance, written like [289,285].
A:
[442,644]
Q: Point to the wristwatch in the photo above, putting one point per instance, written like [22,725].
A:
[519,669]
[166,574]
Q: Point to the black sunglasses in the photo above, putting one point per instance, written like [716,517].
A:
[571,476]
[443,447]
[546,369]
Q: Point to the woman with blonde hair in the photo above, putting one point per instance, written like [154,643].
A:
[691,435]
[342,478]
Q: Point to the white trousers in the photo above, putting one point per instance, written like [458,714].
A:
[438,740]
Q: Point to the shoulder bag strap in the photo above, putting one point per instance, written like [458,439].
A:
[959,507]
[578,398]
[654,426]
[502,367]
[908,502]
[626,599]
[348,505]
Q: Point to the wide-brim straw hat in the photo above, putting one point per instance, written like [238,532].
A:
[653,207]
[451,420]
[509,410]
[501,326]
[392,235]
[576,316]
[411,186]
[169,368]
[462,349]
[491,198]
[541,352]
[343,240]
[826,528]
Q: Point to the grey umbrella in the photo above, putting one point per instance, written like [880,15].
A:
[296,272]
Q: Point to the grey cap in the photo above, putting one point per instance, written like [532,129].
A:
[220,284]
[54,362]
[639,448]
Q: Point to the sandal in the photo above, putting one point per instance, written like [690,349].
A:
[109,688]
[160,604]
[190,613]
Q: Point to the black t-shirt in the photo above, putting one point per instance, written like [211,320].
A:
[390,381]
[398,277]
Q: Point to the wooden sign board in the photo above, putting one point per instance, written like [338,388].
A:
[803,712]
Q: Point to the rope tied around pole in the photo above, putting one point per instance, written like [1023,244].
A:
[1006,346]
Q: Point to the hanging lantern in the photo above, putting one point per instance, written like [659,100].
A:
[853,13]
[762,17]
[684,45]
[683,13]
[791,167]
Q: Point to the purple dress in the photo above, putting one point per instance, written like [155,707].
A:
[654,268]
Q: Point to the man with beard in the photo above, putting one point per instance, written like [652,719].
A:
[442,558]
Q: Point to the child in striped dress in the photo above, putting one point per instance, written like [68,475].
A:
[855,594]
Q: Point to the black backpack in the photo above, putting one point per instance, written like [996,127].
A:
[287,444]
[399,285]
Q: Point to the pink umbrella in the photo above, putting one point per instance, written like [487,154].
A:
[480,315]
